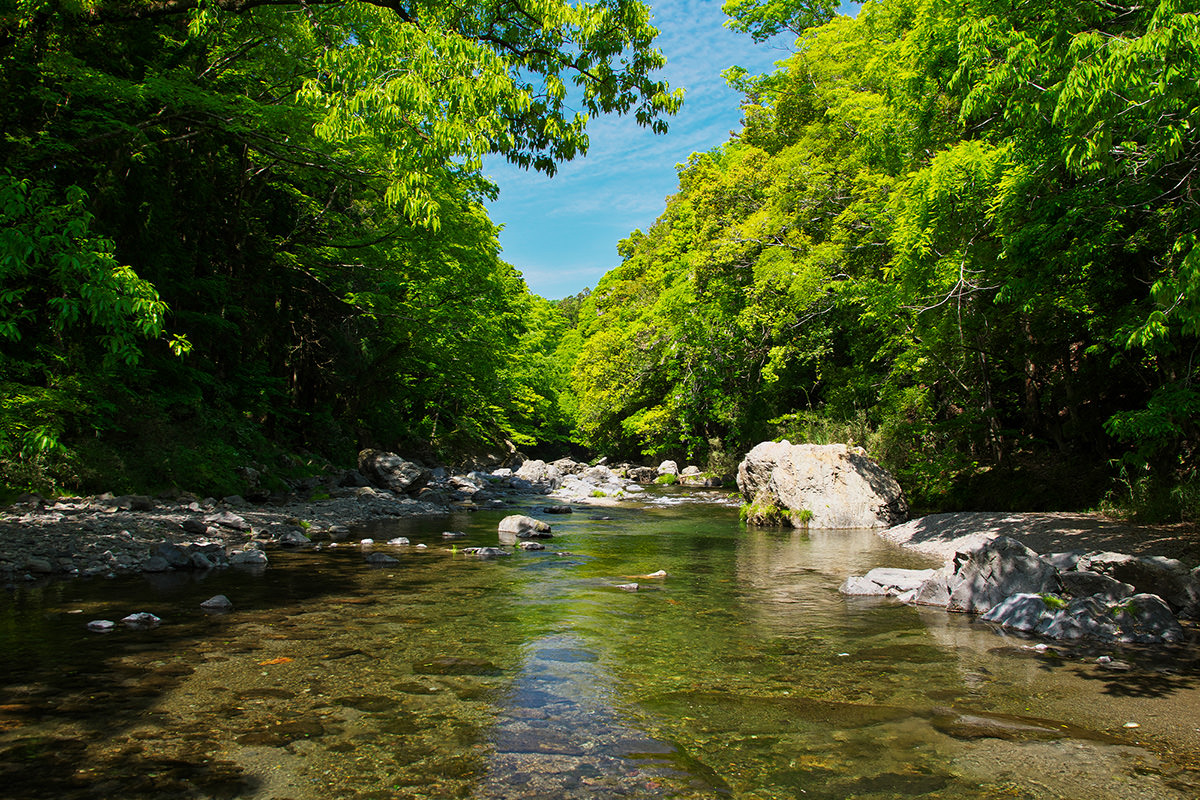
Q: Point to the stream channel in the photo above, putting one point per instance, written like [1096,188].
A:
[743,673]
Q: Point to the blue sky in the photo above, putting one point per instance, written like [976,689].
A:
[562,232]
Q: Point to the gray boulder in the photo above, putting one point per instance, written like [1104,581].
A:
[227,519]
[543,476]
[1078,583]
[519,526]
[1141,619]
[668,468]
[641,474]
[988,574]
[1166,577]
[568,466]
[390,471]
[819,486]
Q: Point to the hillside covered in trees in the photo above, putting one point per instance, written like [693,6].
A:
[251,231]
[961,233]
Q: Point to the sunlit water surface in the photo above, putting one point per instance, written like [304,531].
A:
[741,674]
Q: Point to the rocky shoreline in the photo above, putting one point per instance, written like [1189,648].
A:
[1137,594]
[107,535]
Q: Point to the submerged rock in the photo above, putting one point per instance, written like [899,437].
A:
[217,602]
[888,582]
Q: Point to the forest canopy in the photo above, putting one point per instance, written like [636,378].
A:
[239,229]
[961,233]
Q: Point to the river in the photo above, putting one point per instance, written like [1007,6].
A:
[743,673]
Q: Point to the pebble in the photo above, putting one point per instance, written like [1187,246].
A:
[101,625]
[398,541]
[140,619]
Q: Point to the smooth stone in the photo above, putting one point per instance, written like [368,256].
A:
[532,546]
[249,558]
[398,541]
[156,564]
[217,602]
[101,625]
[141,619]
[381,560]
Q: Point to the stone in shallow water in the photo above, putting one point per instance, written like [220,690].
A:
[141,619]
[101,625]
[456,665]
[217,602]
[381,560]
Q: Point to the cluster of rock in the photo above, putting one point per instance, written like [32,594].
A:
[818,486]
[107,535]
[1111,597]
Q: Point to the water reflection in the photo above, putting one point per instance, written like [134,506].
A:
[742,673]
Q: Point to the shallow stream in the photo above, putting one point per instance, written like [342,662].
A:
[743,673]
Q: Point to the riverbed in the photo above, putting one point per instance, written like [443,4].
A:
[544,674]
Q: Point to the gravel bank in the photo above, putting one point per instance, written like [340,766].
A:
[942,535]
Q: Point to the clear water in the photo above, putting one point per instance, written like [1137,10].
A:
[742,674]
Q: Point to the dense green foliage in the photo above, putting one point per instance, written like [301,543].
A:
[959,232]
[236,231]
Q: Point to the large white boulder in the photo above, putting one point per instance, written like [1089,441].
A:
[819,486]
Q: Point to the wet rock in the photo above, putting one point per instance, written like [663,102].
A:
[398,541]
[977,726]
[294,538]
[888,582]
[532,546]
[200,560]
[101,625]
[38,565]
[248,558]
[453,535]
[195,526]
[172,553]
[519,526]
[627,587]
[141,620]
[217,603]
[487,552]
[381,560]
[156,564]
[455,665]
[557,510]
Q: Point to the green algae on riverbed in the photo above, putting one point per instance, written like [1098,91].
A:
[743,673]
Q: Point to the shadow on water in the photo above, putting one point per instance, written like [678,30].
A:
[87,715]
[743,673]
